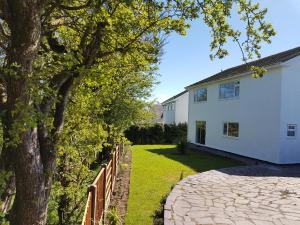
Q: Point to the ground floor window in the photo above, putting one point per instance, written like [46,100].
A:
[231,129]
[291,130]
[200,132]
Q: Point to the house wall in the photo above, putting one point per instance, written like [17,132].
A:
[181,108]
[257,110]
[168,115]
[290,111]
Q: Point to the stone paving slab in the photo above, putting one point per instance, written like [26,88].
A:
[258,195]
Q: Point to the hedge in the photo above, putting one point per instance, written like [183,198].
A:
[157,134]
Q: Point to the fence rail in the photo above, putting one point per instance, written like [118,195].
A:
[100,191]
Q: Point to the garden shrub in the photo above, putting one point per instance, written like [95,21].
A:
[158,215]
[182,146]
[113,217]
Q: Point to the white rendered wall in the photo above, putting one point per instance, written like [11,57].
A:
[169,115]
[257,110]
[290,111]
[181,108]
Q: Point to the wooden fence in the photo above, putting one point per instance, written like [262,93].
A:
[100,191]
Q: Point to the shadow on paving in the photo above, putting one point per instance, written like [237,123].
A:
[202,161]
[263,171]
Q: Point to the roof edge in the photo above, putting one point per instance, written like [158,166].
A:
[174,97]
[228,78]
[265,62]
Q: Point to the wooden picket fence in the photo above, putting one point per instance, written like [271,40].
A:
[99,192]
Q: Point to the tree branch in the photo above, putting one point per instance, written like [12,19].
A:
[56,83]
[61,105]
[65,7]
[3,10]
[92,49]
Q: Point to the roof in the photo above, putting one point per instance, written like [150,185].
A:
[174,97]
[263,62]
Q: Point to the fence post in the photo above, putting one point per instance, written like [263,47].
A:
[112,172]
[115,168]
[92,189]
[104,191]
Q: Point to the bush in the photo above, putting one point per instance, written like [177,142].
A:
[158,215]
[157,134]
[182,146]
[170,133]
[113,217]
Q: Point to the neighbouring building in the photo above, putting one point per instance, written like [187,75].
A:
[253,117]
[175,109]
[158,111]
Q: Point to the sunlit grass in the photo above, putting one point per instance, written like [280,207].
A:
[155,168]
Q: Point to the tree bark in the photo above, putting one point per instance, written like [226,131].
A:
[33,184]
[32,152]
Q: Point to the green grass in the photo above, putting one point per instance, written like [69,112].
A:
[155,168]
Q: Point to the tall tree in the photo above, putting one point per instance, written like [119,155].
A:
[48,47]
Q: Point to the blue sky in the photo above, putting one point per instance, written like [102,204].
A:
[186,58]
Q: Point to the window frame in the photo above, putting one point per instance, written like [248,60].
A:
[196,95]
[227,130]
[291,130]
[236,84]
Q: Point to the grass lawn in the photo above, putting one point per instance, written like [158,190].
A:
[155,168]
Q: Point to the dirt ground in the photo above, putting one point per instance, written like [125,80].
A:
[120,195]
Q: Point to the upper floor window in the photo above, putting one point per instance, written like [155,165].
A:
[229,90]
[291,130]
[169,106]
[173,106]
[231,129]
[200,95]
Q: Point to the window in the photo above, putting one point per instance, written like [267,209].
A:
[200,95]
[170,106]
[291,130]
[231,129]
[225,130]
[229,90]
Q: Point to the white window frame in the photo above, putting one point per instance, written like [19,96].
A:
[288,129]
[196,100]
[236,86]
[227,130]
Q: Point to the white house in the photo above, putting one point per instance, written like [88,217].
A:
[253,117]
[175,109]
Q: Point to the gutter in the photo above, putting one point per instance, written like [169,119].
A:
[229,78]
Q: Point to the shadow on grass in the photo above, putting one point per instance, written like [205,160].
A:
[198,161]
[202,161]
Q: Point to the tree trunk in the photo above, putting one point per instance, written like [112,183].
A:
[30,149]
[32,184]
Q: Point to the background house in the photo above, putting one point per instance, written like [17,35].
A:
[175,109]
[258,118]
[158,112]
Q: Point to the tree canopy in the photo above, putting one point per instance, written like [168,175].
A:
[89,65]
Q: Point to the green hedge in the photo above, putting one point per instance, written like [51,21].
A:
[157,134]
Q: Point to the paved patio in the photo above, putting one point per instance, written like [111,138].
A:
[253,195]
